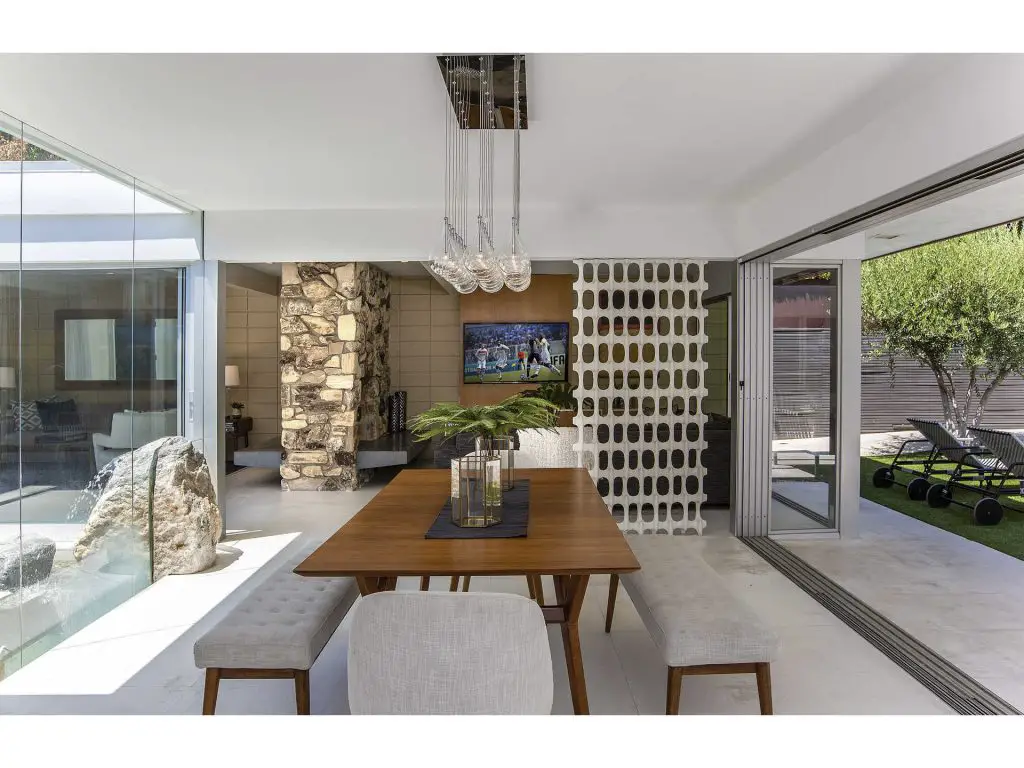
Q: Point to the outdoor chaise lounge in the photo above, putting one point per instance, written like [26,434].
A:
[1002,455]
[949,456]
[1007,449]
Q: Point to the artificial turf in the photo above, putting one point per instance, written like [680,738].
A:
[1007,536]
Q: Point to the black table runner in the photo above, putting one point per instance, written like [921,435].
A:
[515,517]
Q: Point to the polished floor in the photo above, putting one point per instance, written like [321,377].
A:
[138,658]
[960,598]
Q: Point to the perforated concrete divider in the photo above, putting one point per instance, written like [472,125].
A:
[638,342]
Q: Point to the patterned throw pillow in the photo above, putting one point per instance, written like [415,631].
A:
[26,416]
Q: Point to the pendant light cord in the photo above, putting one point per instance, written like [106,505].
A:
[516,63]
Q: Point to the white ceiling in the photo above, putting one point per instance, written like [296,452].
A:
[327,131]
[982,208]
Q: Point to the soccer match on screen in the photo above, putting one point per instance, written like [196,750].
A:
[500,353]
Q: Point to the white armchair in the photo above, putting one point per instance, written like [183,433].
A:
[133,429]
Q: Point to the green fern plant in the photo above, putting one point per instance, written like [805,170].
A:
[445,420]
[558,393]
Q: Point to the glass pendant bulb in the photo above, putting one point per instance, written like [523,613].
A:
[464,281]
[481,263]
[515,264]
[484,265]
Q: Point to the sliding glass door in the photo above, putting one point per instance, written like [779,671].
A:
[805,389]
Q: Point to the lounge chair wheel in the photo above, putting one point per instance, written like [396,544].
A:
[987,512]
[917,489]
[939,496]
[883,478]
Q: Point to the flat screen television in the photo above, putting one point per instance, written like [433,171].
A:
[511,353]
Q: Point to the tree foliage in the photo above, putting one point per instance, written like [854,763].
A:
[12,148]
[957,307]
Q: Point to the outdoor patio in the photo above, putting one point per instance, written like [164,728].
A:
[956,596]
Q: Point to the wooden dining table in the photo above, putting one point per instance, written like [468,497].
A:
[570,537]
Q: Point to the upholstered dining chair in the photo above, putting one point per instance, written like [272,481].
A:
[448,653]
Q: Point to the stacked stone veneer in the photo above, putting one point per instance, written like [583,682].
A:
[334,371]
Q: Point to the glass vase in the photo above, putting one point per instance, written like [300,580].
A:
[503,449]
[476,491]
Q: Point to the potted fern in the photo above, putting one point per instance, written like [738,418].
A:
[487,422]
[559,394]
[476,494]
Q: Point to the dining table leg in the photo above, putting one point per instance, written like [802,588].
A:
[368,585]
[570,591]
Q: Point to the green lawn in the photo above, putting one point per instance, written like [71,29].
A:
[1006,537]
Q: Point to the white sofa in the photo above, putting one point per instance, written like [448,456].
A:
[133,429]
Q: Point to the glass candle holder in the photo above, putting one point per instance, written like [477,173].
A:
[476,491]
[503,449]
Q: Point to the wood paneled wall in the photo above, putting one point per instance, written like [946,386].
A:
[548,299]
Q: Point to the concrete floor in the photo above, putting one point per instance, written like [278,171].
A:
[959,597]
[138,658]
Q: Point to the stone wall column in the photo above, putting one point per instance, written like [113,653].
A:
[334,370]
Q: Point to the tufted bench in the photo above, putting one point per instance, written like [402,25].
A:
[277,631]
[699,626]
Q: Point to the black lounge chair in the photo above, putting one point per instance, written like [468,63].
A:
[1004,448]
[948,457]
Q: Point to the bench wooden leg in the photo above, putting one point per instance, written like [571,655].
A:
[613,588]
[763,670]
[454,586]
[529,586]
[674,690]
[424,583]
[210,691]
[302,691]
[465,583]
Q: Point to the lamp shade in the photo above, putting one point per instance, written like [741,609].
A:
[7,378]
[231,377]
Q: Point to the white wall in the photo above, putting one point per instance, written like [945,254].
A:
[684,231]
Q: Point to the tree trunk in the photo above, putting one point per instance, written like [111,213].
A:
[955,419]
[979,410]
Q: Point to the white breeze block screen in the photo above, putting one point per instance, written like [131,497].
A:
[638,338]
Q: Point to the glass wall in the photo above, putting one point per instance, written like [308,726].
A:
[805,349]
[91,364]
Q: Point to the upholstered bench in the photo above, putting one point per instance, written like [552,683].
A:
[277,631]
[699,626]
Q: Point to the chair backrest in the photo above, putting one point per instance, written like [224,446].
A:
[544,448]
[945,442]
[137,428]
[449,653]
[1005,446]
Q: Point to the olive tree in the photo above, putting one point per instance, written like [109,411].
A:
[16,149]
[957,307]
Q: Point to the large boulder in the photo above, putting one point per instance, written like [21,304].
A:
[169,479]
[25,560]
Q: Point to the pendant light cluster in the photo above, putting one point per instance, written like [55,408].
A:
[470,262]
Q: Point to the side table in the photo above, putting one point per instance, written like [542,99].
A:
[236,428]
